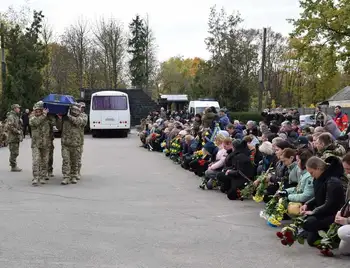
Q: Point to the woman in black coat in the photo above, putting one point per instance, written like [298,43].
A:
[238,167]
[329,196]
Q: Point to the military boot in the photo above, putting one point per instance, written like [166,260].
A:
[50,175]
[65,181]
[16,169]
[73,181]
[42,181]
[35,182]
[78,177]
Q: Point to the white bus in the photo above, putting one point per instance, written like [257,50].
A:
[109,111]
[198,106]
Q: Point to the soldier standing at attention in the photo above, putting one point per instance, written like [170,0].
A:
[82,108]
[71,143]
[40,126]
[15,136]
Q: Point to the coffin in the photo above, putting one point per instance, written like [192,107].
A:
[58,104]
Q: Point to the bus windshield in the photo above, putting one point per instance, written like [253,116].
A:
[109,103]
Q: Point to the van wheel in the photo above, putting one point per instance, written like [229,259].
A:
[125,133]
[94,134]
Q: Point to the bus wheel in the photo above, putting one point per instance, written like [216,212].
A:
[125,133]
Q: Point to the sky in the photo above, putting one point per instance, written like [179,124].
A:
[180,26]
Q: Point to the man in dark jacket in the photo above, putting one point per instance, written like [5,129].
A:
[238,167]
[25,123]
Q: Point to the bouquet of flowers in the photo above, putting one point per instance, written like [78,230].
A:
[291,233]
[260,191]
[163,144]
[330,240]
[277,213]
[247,191]
[269,208]
[198,154]
[175,149]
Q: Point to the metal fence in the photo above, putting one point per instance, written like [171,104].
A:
[327,110]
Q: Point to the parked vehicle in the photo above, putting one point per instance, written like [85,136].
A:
[110,111]
[307,119]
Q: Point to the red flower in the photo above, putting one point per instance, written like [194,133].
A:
[201,162]
[280,235]
[289,235]
[180,154]
[238,192]
[327,253]
[284,242]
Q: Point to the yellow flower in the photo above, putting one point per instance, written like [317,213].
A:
[207,133]
[274,221]
[258,198]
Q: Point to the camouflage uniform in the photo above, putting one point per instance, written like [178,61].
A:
[82,106]
[3,135]
[40,126]
[51,146]
[334,149]
[72,141]
[14,129]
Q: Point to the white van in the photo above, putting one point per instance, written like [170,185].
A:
[198,106]
[109,111]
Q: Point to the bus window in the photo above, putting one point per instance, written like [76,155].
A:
[109,103]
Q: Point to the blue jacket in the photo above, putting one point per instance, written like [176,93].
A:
[304,191]
[224,121]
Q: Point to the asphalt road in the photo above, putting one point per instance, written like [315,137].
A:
[133,208]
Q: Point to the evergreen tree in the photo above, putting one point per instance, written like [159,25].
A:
[138,50]
[26,57]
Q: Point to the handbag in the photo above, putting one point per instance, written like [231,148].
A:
[294,208]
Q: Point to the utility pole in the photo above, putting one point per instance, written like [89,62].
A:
[3,63]
[262,71]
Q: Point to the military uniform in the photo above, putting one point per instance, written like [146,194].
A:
[71,143]
[14,129]
[40,126]
[82,106]
[51,146]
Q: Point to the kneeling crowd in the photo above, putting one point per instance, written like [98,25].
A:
[303,182]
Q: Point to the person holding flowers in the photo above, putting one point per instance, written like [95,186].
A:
[189,148]
[291,199]
[328,199]
[216,165]
[237,171]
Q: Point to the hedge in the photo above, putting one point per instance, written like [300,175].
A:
[245,116]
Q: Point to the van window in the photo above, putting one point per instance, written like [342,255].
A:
[191,110]
[200,110]
[109,103]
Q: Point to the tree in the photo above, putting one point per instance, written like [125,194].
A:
[110,39]
[63,70]
[26,57]
[77,41]
[46,35]
[234,59]
[142,65]
[176,75]
[324,22]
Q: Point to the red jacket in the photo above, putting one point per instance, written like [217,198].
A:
[341,120]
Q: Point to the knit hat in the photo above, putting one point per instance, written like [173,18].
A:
[303,140]
[209,147]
